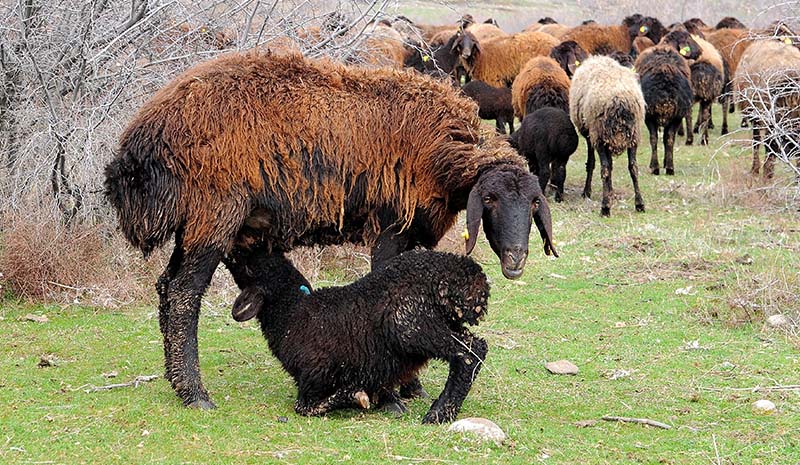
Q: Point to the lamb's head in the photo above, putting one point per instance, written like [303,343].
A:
[284,286]
[505,198]
[569,56]
[461,285]
[683,42]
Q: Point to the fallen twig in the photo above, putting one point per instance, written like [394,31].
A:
[643,421]
[788,387]
[135,383]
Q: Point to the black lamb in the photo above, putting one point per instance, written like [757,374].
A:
[346,345]
[493,103]
[547,138]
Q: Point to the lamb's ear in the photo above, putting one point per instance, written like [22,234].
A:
[247,304]
[474,215]
[541,216]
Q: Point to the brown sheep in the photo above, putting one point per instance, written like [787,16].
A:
[603,40]
[556,30]
[708,82]
[541,83]
[498,61]
[486,31]
[252,154]
[766,85]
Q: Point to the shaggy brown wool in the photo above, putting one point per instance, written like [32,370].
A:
[498,61]
[544,77]
[601,40]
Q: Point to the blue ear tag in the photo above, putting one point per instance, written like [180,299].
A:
[304,289]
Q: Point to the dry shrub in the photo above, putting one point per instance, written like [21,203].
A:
[44,259]
[755,297]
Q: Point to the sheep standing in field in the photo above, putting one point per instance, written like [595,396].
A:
[493,103]
[547,138]
[767,86]
[346,346]
[215,159]
[541,83]
[498,61]
[604,40]
[607,107]
[666,85]
[708,82]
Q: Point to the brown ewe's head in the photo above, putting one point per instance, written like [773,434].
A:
[682,42]
[505,198]
[569,56]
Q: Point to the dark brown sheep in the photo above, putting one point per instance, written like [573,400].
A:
[262,153]
[569,56]
[493,103]
[604,40]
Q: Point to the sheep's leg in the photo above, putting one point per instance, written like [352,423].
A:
[652,128]
[559,176]
[465,353]
[413,389]
[544,172]
[669,146]
[511,125]
[756,142]
[680,129]
[772,148]
[699,121]
[389,401]
[633,168]
[587,187]
[724,115]
[184,294]
[705,109]
[606,165]
[689,134]
[500,124]
[162,287]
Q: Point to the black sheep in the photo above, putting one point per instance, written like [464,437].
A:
[493,103]
[346,345]
[569,56]
[547,138]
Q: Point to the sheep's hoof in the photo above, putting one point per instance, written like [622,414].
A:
[670,172]
[689,141]
[696,130]
[362,399]
[724,131]
[202,404]
[640,208]
[587,195]
[435,417]
[413,390]
[654,171]
[703,142]
[605,211]
[395,408]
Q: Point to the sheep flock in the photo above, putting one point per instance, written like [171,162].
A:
[248,155]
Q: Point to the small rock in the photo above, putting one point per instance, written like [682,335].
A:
[47,360]
[763,407]
[562,367]
[283,420]
[36,318]
[481,427]
[778,321]
[618,374]
[111,374]
[745,259]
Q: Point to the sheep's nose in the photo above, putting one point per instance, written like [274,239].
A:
[514,261]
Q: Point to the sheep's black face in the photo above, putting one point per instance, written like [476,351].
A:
[682,42]
[466,46]
[569,56]
[505,198]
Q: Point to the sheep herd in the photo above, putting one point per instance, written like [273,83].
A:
[243,158]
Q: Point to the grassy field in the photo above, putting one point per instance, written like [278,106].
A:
[662,312]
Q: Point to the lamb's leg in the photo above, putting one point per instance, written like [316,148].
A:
[390,401]
[544,172]
[652,127]
[606,165]
[633,168]
[669,146]
[184,294]
[162,287]
[559,176]
[465,353]
[587,187]
[756,142]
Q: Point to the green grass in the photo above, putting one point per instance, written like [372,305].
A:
[609,303]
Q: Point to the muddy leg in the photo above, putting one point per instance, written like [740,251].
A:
[311,405]
[633,168]
[606,167]
[652,127]
[724,129]
[162,288]
[669,146]
[559,176]
[756,142]
[587,188]
[689,131]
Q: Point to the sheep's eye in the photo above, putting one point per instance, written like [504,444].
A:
[488,199]
[536,202]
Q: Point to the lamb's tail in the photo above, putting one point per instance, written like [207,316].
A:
[143,190]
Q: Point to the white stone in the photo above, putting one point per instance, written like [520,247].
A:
[763,407]
[481,427]
[778,321]
[562,367]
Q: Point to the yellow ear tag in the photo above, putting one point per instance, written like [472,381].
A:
[577,62]
[425,58]
[787,41]
[465,235]
[633,69]
[643,29]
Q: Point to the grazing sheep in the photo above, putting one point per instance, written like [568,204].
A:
[708,81]
[666,85]
[729,22]
[346,345]
[603,40]
[541,83]
[607,107]
[493,103]
[569,56]
[498,61]
[547,138]
[767,85]
[215,159]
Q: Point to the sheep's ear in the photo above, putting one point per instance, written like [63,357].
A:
[474,215]
[247,304]
[541,216]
